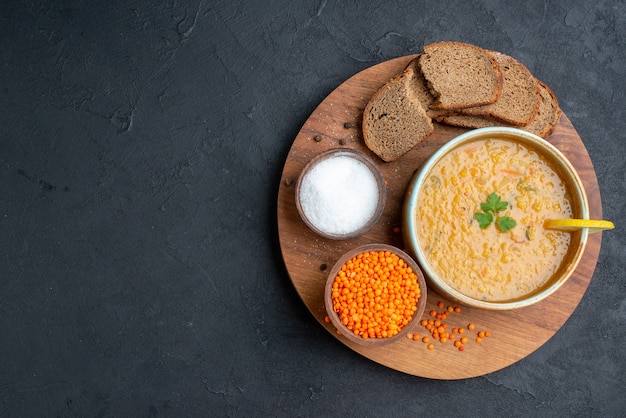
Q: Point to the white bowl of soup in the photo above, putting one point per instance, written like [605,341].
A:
[474,215]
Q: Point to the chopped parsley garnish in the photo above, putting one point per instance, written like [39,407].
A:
[491,207]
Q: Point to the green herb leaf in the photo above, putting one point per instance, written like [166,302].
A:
[501,206]
[486,207]
[494,203]
[484,219]
[505,223]
[491,207]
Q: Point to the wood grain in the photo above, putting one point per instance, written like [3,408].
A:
[308,257]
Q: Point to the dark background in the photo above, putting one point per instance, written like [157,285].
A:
[141,148]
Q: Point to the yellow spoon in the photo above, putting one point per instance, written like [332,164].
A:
[576,224]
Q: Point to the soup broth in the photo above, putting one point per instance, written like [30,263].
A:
[484,262]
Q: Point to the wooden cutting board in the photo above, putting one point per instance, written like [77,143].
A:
[309,257]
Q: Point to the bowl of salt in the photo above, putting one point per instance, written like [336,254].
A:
[340,194]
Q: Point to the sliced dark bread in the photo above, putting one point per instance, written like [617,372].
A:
[547,116]
[460,75]
[542,124]
[418,85]
[519,100]
[394,120]
[420,89]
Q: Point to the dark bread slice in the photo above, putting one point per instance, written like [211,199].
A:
[460,75]
[418,85]
[468,121]
[542,124]
[394,120]
[519,99]
[547,116]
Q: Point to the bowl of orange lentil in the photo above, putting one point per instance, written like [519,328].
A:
[375,294]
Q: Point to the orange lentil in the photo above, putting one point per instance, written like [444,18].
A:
[431,346]
[438,328]
[375,294]
[416,337]
[409,336]
[327,319]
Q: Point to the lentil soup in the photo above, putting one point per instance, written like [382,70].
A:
[482,261]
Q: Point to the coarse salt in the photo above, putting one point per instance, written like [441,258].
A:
[339,195]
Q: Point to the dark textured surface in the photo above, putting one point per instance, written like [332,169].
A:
[141,146]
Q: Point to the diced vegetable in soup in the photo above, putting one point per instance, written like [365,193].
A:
[466,243]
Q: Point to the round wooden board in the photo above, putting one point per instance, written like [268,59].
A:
[309,257]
